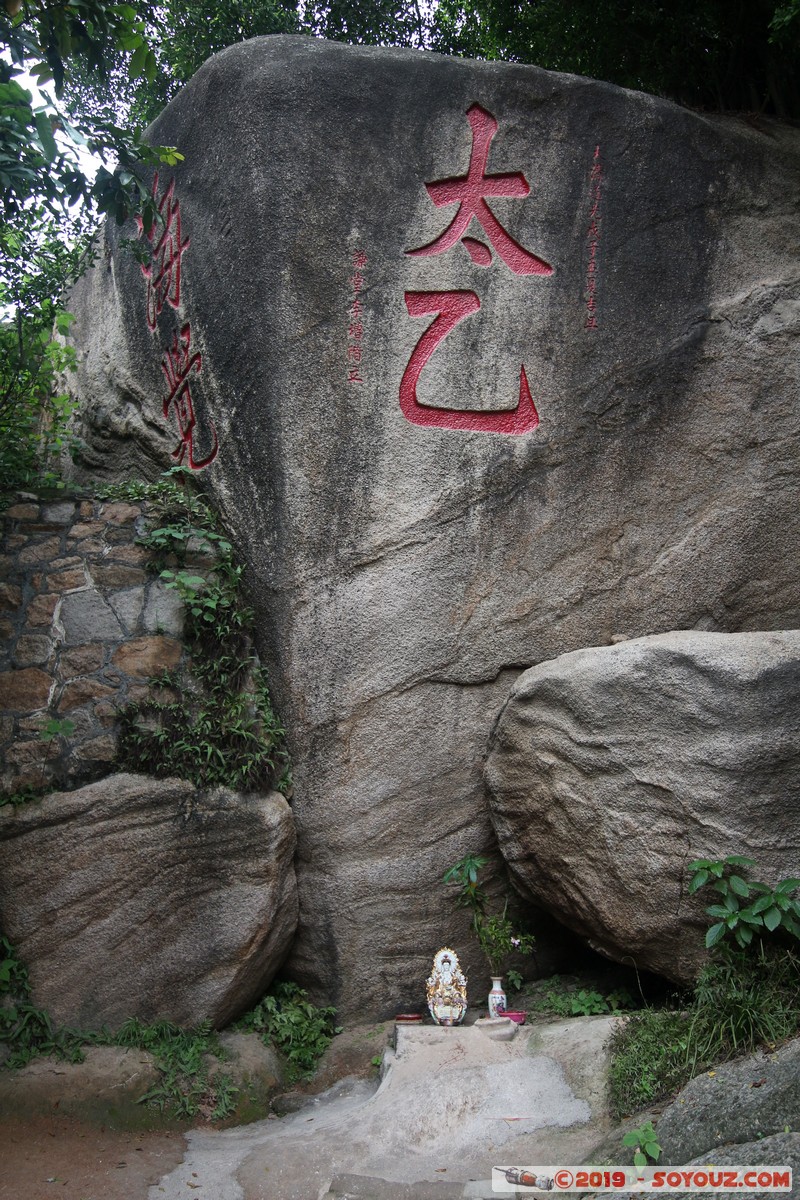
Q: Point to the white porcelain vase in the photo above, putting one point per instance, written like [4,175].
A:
[497,997]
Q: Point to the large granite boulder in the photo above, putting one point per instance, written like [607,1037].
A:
[329,339]
[140,897]
[612,768]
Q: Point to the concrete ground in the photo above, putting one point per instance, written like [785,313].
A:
[451,1104]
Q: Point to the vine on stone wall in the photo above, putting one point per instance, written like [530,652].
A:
[210,721]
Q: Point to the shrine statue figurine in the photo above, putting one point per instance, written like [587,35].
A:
[447,989]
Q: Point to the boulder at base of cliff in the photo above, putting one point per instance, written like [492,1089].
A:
[140,897]
[612,768]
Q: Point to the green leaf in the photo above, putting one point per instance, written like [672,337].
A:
[738,860]
[772,918]
[63,321]
[136,66]
[699,879]
[738,885]
[787,885]
[45,131]
[715,933]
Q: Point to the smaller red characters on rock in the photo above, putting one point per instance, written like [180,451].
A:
[163,272]
[178,364]
[354,375]
[359,259]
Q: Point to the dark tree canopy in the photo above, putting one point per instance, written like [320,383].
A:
[718,54]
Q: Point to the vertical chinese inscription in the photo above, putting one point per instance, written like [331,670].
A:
[471,193]
[355,326]
[593,240]
[179,365]
[163,272]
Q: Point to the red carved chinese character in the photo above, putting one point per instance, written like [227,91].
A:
[177,365]
[357,280]
[354,353]
[470,193]
[359,259]
[353,375]
[163,274]
[449,308]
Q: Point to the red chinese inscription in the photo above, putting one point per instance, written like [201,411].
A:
[470,192]
[593,237]
[449,308]
[178,365]
[163,273]
[355,328]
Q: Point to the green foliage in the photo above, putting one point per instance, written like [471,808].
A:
[749,997]
[743,1002]
[287,1020]
[24,796]
[50,201]
[214,722]
[498,940]
[748,908]
[464,876]
[57,727]
[370,22]
[514,980]
[35,265]
[647,1146]
[25,1030]
[224,739]
[739,1004]
[190,31]
[38,143]
[720,54]
[585,1002]
[185,1087]
[496,934]
[649,1059]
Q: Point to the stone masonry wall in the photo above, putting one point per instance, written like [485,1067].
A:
[82,627]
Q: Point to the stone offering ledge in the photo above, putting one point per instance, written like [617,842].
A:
[83,626]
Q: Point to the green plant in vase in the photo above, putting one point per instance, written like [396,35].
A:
[500,941]
[497,936]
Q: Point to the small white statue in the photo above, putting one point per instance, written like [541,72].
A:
[447,989]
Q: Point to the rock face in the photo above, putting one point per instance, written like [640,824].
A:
[409,547]
[611,769]
[142,897]
[755,1097]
